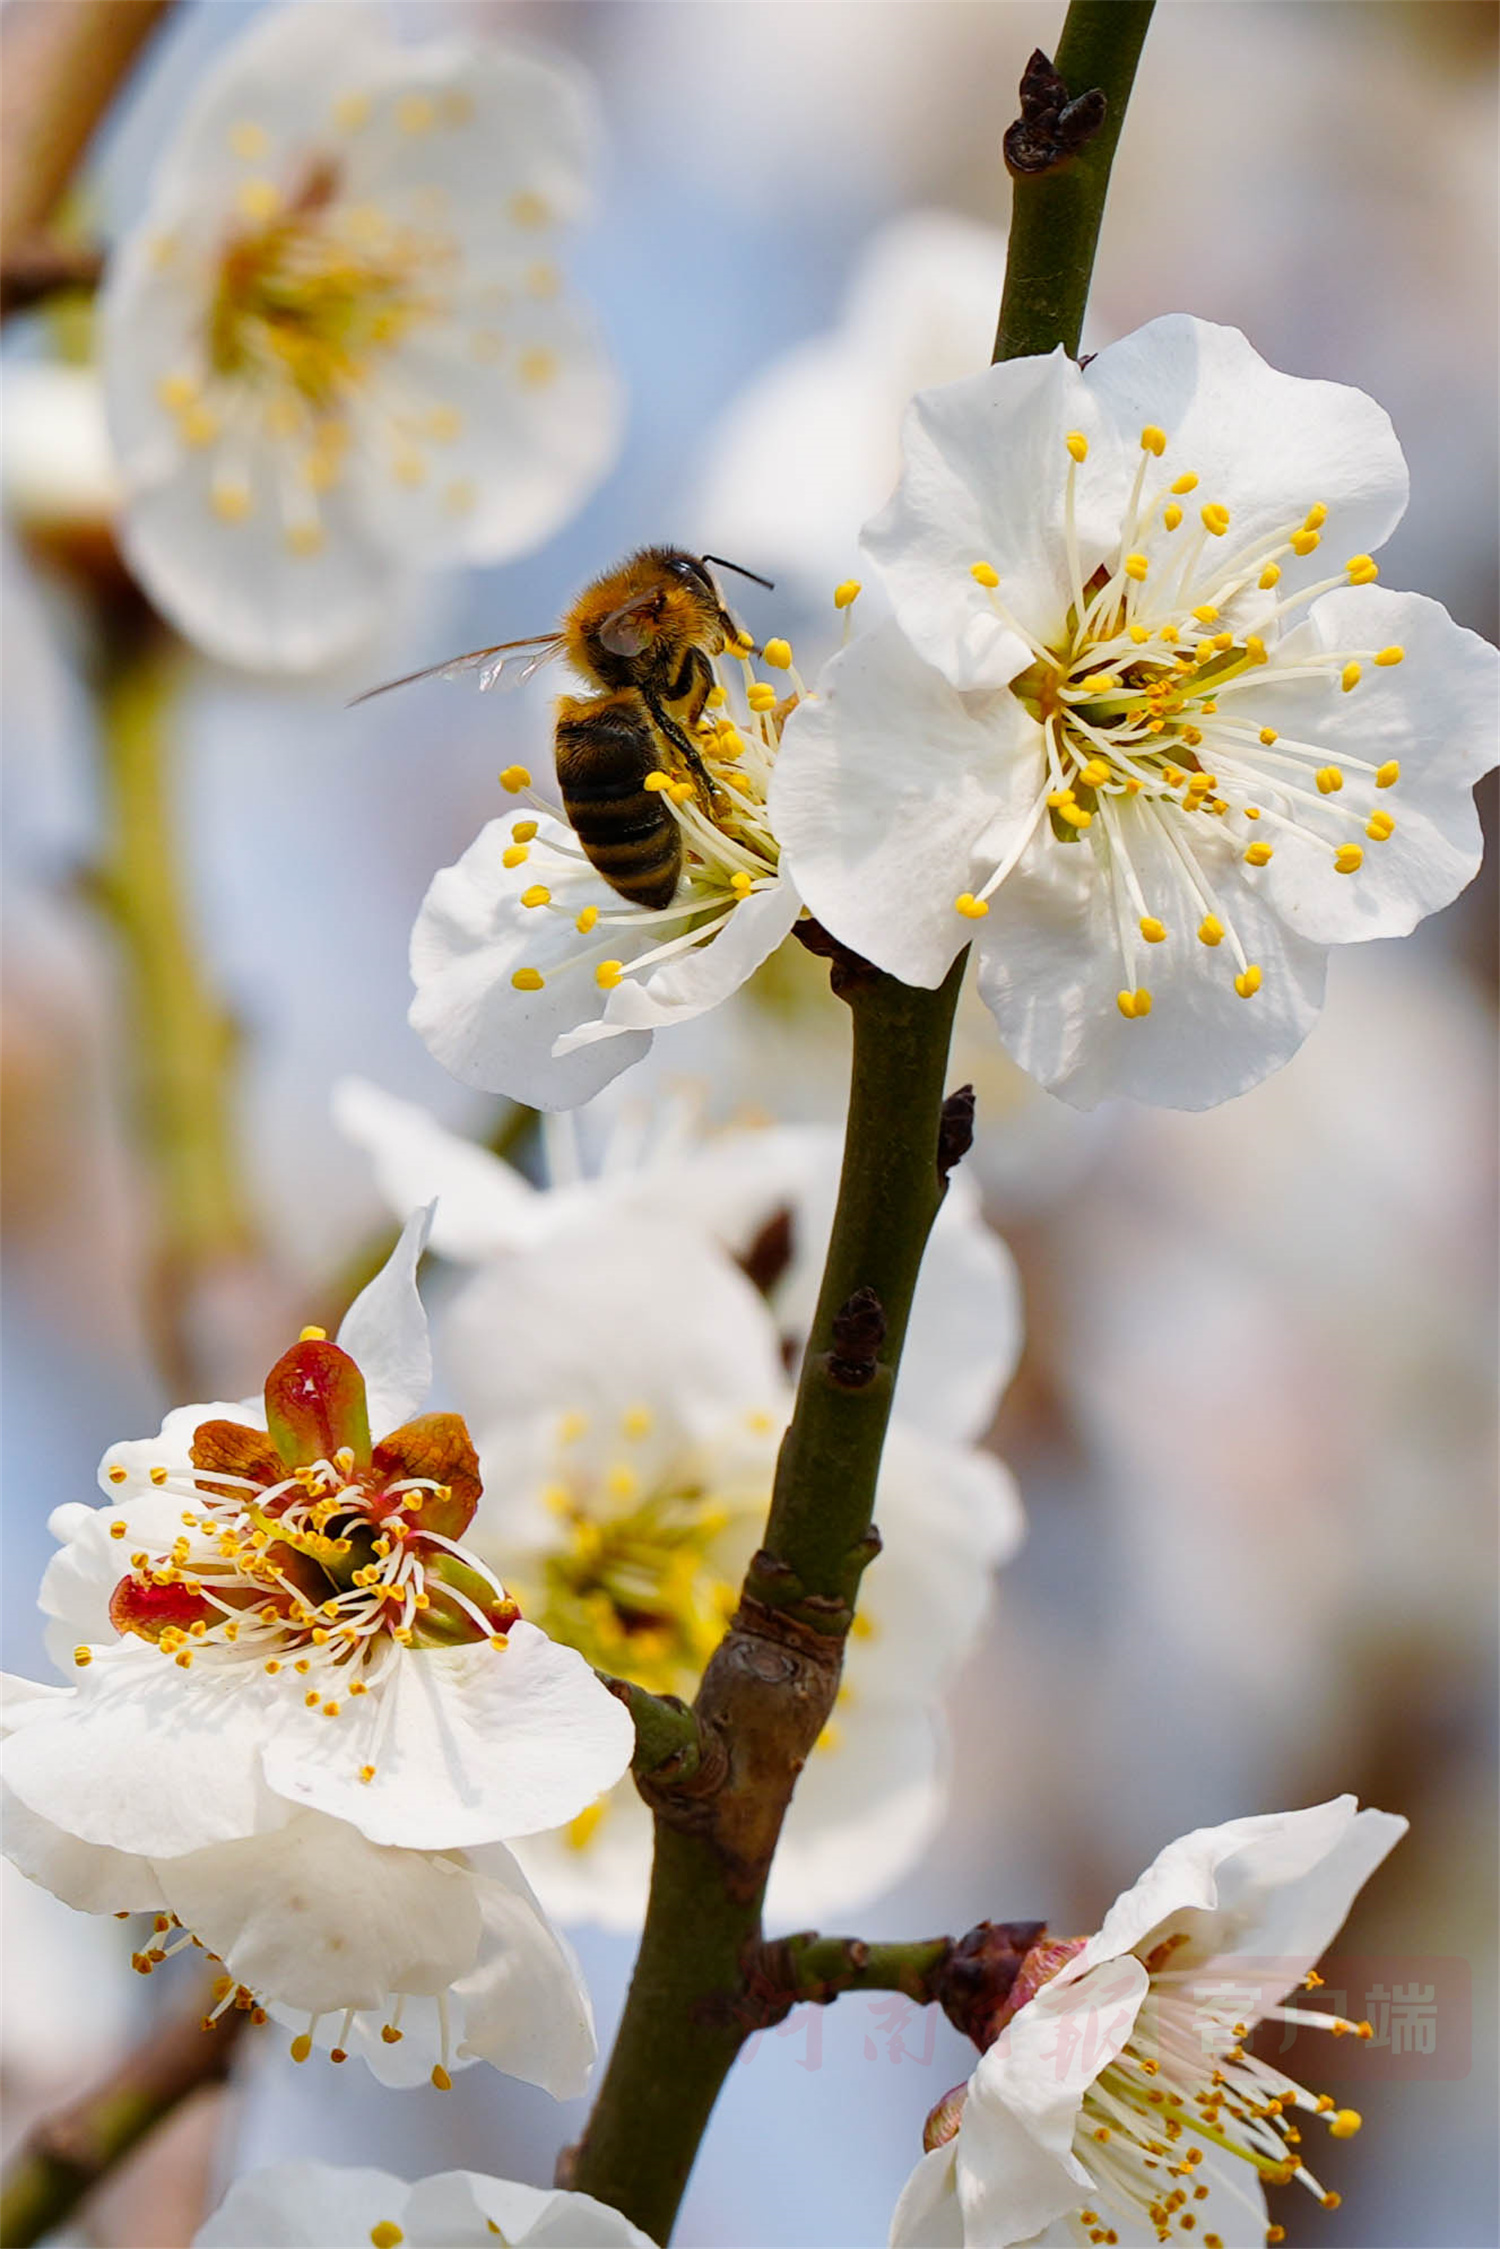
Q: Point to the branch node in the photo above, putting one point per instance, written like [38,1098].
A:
[847,971]
[1051,128]
[858,1333]
[955,1130]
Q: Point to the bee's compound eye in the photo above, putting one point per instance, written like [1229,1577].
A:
[688,566]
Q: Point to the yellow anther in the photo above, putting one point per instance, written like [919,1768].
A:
[1258,855]
[415,113]
[313,1335]
[1247,983]
[1153,440]
[258,200]
[1171,515]
[1075,816]
[231,500]
[1133,1005]
[1255,649]
[1316,517]
[514,779]
[119,1475]
[1350,676]
[1207,614]
[680,791]
[1329,779]
[1136,566]
[1100,683]
[441,2079]
[844,594]
[1380,827]
[301,2047]
[1210,930]
[1078,445]
[1268,735]
[655,782]
[536,894]
[1348,859]
[1187,483]
[1154,931]
[778,654]
[1222,641]
[1096,772]
[528,980]
[1363,570]
[1387,775]
[83,1657]
[515,855]
[1390,656]
[386,2235]
[972,908]
[1345,2123]
[1215,518]
[1057,797]
[1139,635]
[761,696]
[1303,542]
[1271,575]
[586,920]
[607,975]
[741,883]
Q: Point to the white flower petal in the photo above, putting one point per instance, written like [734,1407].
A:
[1268,446]
[531,2217]
[472,936]
[695,981]
[964,1341]
[886,781]
[928,2215]
[384,1332]
[525,2004]
[82,1575]
[1016,2166]
[481,1204]
[1437,714]
[470,1745]
[149,1759]
[983,481]
[318,1919]
[1275,1888]
[305,2206]
[869,1801]
[84,1876]
[600,1873]
[1050,969]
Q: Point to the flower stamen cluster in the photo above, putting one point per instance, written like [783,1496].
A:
[1128,701]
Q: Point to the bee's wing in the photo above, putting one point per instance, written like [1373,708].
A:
[624,631]
[491,664]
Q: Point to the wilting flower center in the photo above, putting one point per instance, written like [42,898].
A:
[1146,705]
[300,1552]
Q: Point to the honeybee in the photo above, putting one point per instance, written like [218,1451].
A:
[643,635]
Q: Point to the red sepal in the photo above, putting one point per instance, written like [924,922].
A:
[315,1404]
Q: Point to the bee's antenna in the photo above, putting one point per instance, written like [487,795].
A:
[740,571]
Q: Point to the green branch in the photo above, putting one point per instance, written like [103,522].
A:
[181,1042]
[700,1979]
[1055,216]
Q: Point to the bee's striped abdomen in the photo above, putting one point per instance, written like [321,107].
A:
[606,746]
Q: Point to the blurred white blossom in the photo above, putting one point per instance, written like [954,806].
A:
[339,346]
[319,2206]
[1100,735]
[812,446]
[626,1390]
[1117,2101]
[307,1717]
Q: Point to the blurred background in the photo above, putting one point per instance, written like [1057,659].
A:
[1254,1424]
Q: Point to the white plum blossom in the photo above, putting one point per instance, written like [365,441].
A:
[763,1193]
[1118,2102]
[626,1389]
[339,346]
[536,979]
[1145,728]
[812,445]
[323,2206]
[307,1717]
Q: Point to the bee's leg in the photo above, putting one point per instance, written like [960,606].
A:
[686,750]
